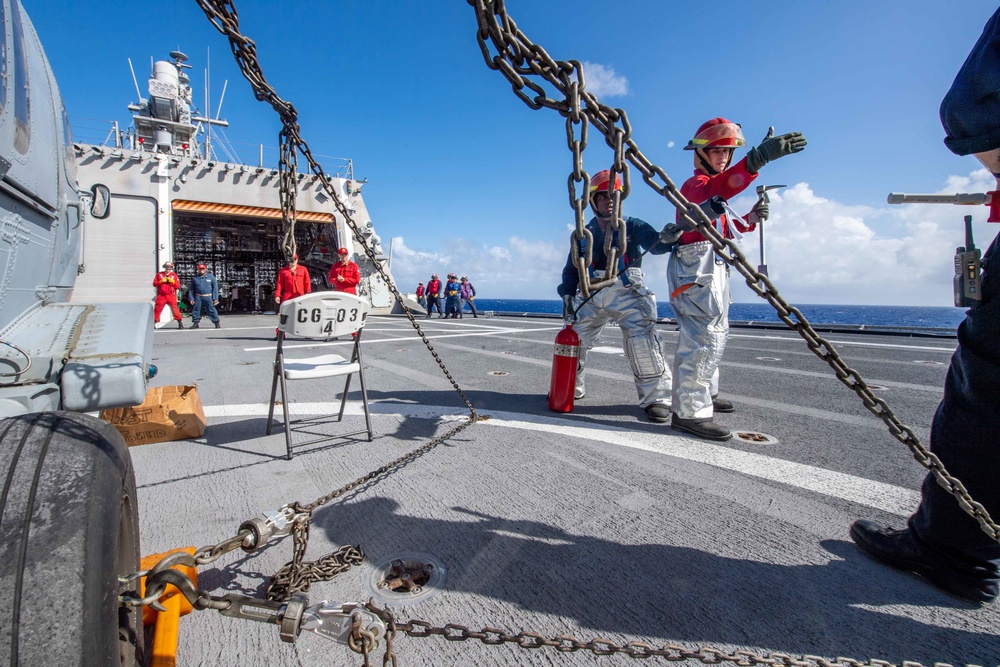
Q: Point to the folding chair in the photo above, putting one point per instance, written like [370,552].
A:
[323,316]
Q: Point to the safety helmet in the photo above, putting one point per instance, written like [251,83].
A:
[168,263]
[600,181]
[717,133]
[202,266]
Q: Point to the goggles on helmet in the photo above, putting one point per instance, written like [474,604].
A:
[723,135]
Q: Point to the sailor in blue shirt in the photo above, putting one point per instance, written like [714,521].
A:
[204,293]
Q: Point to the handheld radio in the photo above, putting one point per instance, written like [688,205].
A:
[967,268]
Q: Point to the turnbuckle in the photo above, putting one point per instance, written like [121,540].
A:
[275,523]
[347,623]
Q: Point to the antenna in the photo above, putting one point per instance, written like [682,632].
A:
[134,81]
[208,104]
[218,109]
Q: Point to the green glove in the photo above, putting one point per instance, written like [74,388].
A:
[774,147]
[759,213]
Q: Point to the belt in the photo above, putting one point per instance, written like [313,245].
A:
[203,295]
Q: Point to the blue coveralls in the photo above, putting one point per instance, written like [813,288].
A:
[204,292]
[965,433]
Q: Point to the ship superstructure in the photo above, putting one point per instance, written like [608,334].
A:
[169,198]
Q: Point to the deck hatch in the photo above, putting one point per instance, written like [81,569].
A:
[406,578]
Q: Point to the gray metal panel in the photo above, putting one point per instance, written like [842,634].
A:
[107,366]
[119,254]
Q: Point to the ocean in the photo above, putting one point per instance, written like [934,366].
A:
[919,318]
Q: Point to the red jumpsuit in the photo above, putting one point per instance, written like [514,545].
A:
[292,283]
[728,184]
[351,274]
[166,284]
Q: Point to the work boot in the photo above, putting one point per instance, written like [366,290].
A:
[703,428]
[180,324]
[658,413]
[722,405]
[902,550]
[194,326]
[218,325]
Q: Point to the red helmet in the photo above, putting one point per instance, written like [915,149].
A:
[601,180]
[717,132]
[202,266]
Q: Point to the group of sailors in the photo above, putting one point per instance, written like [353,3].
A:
[698,281]
[449,298]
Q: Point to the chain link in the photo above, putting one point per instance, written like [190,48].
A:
[492,636]
[526,58]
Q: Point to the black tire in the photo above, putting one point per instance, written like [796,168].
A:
[68,529]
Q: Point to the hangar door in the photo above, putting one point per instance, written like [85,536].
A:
[119,254]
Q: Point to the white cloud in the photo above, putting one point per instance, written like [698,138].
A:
[604,81]
[819,251]
[524,268]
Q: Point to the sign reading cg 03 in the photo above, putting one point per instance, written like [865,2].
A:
[327,320]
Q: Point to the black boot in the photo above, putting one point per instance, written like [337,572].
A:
[218,325]
[703,428]
[180,324]
[722,405]
[194,326]
[902,550]
[658,413]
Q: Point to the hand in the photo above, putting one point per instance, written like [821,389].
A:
[774,147]
[340,279]
[568,311]
[215,303]
[277,299]
[759,213]
[670,234]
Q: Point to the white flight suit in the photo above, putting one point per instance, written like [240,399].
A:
[633,307]
[699,296]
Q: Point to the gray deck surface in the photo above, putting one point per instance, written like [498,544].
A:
[592,524]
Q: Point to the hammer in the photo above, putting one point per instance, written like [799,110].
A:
[762,197]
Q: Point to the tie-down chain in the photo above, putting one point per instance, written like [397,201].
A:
[362,626]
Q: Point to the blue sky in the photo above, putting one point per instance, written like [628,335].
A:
[463,177]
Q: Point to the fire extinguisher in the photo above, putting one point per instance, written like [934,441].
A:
[564,362]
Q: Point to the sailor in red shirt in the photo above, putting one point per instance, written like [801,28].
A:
[293,281]
[699,281]
[345,275]
[166,283]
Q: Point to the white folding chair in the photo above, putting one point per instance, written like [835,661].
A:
[323,316]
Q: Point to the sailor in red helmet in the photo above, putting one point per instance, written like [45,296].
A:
[628,302]
[167,283]
[699,281]
[345,274]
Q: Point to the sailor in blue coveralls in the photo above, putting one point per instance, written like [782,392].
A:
[941,541]
[204,293]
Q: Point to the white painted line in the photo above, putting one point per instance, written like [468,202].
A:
[414,337]
[887,497]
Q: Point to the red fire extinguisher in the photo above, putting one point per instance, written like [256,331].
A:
[564,362]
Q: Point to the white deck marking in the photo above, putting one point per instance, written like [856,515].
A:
[887,497]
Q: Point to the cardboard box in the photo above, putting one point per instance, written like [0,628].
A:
[168,413]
